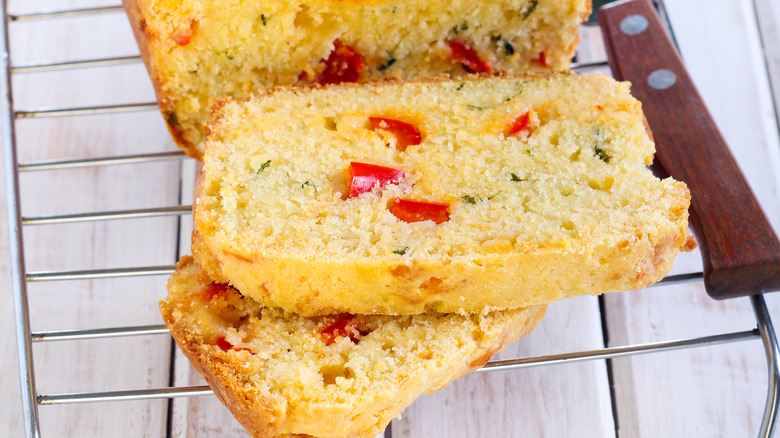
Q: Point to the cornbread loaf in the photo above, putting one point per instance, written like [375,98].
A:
[331,376]
[199,50]
[490,192]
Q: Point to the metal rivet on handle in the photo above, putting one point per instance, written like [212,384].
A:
[633,24]
[662,79]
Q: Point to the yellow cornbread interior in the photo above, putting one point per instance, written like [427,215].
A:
[236,47]
[343,389]
[276,175]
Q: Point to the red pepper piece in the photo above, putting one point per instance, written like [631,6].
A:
[543,59]
[405,134]
[365,176]
[520,125]
[217,290]
[183,37]
[344,326]
[344,64]
[468,57]
[225,345]
[417,211]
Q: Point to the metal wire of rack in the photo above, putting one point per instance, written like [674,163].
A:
[21,277]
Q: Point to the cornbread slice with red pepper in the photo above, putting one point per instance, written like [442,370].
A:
[199,50]
[333,376]
[518,191]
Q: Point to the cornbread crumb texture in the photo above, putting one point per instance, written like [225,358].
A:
[200,50]
[566,206]
[283,374]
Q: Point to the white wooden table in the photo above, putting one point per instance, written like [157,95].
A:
[732,50]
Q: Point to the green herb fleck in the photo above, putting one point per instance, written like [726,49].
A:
[460,28]
[460,86]
[229,56]
[401,251]
[530,151]
[307,184]
[263,19]
[508,48]
[173,120]
[598,148]
[264,166]
[387,64]
[474,199]
[506,99]
[529,8]
[602,154]
[516,178]
[394,8]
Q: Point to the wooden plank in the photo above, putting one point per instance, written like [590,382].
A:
[109,364]
[768,15]
[714,391]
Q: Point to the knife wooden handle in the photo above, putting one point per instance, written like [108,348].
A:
[740,251]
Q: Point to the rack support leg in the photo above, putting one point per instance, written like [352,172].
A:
[773,359]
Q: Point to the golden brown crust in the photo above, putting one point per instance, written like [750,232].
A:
[256,416]
[259,414]
[690,244]
[144,40]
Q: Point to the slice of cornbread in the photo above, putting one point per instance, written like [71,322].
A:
[333,376]
[491,192]
[199,50]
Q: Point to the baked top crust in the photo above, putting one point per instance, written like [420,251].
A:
[543,179]
[283,375]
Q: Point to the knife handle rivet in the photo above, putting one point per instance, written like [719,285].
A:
[633,24]
[662,79]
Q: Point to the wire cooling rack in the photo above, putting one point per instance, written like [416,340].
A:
[21,277]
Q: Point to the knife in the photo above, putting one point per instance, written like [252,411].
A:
[740,251]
